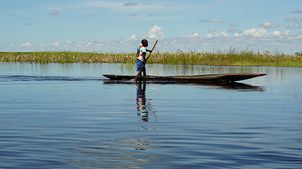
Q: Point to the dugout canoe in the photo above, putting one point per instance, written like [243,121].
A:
[208,78]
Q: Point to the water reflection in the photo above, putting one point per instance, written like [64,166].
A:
[229,86]
[239,87]
[142,110]
[143,104]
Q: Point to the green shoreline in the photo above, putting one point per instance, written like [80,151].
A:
[230,58]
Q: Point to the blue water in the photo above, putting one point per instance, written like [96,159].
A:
[69,116]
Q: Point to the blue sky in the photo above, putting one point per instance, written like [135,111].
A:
[118,25]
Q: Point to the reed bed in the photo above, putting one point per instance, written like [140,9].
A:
[229,58]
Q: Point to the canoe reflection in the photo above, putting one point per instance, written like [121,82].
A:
[229,86]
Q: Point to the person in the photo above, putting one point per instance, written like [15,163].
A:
[141,56]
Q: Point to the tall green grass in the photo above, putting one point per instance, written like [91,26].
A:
[228,58]
[63,57]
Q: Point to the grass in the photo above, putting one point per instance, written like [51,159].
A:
[228,58]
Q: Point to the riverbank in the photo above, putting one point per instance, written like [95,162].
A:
[230,58]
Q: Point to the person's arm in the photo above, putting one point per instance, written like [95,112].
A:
[148,50]
[144,56]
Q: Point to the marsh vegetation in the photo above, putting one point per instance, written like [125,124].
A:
[228,58]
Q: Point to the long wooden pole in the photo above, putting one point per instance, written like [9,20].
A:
[140,71]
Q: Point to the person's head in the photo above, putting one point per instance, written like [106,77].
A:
[145,42]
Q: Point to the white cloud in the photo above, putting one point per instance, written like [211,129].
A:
[293,22]
[277,33]
[55,12]
[212,21]
[266,25]
[255,38]
[155,32]
[216,34]
[280,34]
[68,42]
[129,6]
[27,23]
[255,32]
[27,45]
[194,35]
[284,41]
[296,11]
[56,44]
[86,44]
[232,28]
[133,37]
[261,33]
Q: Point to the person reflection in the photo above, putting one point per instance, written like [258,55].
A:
[142,110]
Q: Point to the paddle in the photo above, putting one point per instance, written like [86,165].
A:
[140,71]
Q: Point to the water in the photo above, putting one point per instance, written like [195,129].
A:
[69,116]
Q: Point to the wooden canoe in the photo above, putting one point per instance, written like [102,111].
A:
[208,78]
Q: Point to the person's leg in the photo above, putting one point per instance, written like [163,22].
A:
[138,65]
[144,71]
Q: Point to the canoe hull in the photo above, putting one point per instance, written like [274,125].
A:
[209,78]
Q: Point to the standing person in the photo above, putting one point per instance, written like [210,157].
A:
[141,56]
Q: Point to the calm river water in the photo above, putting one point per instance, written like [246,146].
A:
[69,116]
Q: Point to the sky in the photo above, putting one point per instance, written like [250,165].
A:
[179,25]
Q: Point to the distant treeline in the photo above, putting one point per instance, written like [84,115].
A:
[229,58]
